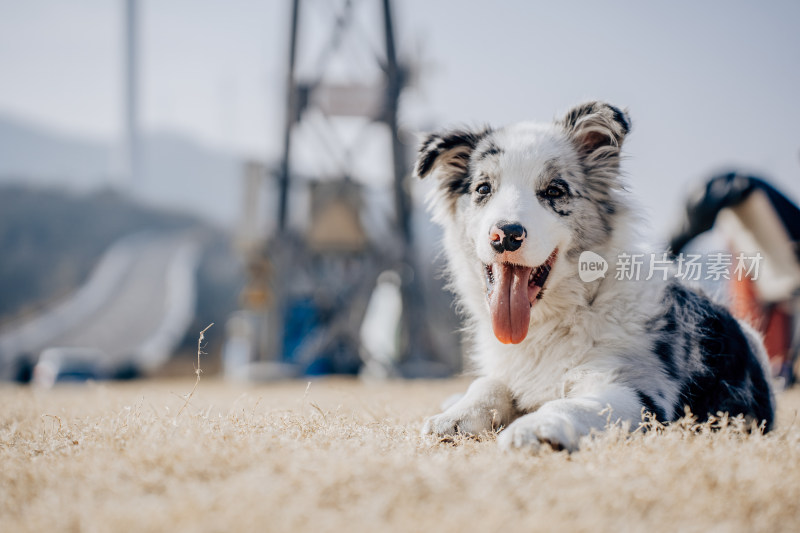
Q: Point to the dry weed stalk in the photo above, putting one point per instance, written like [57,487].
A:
[56,417]
[197,370]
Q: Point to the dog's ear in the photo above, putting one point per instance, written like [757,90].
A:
[446,155]
[596,129]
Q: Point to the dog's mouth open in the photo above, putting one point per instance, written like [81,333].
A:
[512,290]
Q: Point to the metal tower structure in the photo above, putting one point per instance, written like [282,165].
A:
[343,67]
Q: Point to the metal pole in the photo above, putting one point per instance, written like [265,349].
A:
[393,89]
[291,117]
[413,305]
[132,155]
[270,345]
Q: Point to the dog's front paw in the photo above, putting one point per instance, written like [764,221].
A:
[535,429]
[465,422]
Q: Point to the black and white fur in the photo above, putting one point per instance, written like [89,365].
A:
[626,346]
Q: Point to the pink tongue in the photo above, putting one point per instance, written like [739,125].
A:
[509,303]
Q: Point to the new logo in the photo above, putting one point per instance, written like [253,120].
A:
[591,266]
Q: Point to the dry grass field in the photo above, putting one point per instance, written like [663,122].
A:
[347,456]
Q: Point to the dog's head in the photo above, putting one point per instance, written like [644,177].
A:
[524,201]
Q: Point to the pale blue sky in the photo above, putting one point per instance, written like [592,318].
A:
[709,85]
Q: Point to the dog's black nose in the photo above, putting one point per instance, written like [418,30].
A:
[507,237]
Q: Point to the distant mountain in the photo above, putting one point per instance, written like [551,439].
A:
[178,173]
[37,156]
[182,174]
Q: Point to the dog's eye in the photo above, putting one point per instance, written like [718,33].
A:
[553,191]
[483,189]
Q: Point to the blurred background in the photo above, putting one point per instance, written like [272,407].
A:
[169,164]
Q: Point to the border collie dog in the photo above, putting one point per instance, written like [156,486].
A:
[556,356]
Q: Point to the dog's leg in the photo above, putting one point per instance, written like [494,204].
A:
[487,405]
[561,423]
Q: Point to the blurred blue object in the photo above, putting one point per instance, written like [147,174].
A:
[302,318]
